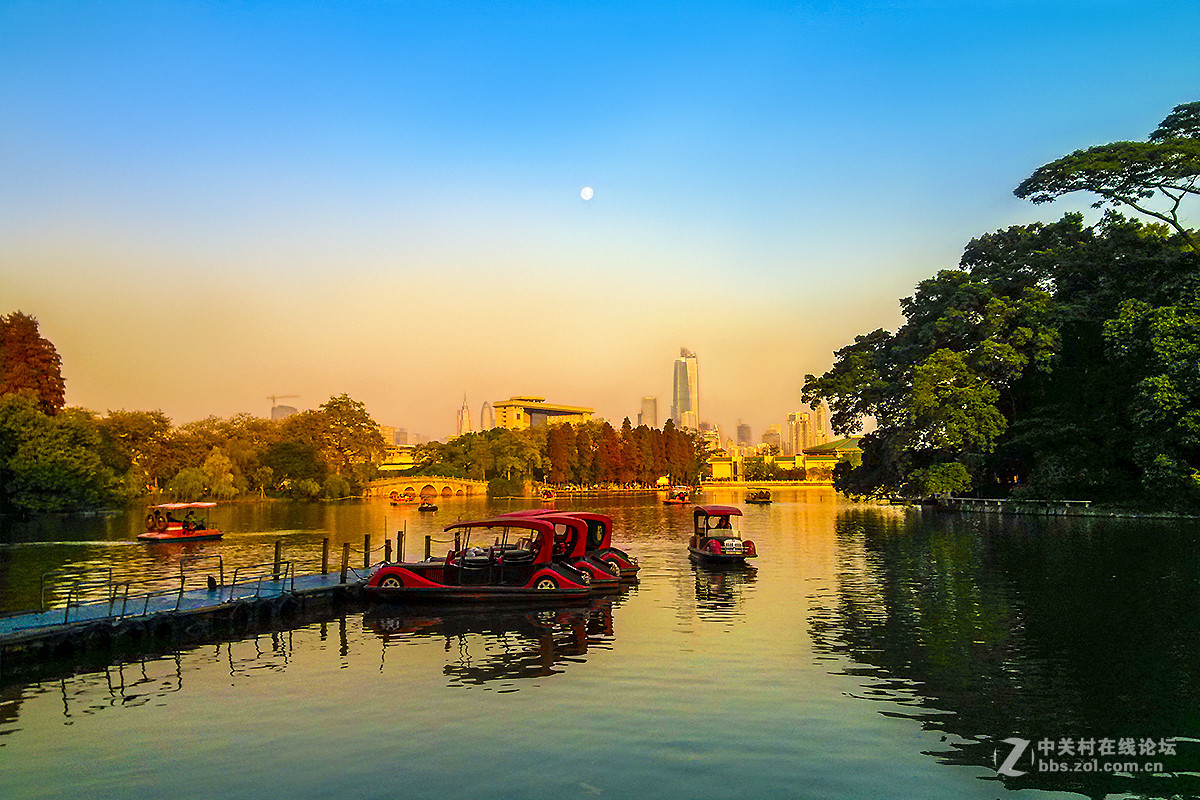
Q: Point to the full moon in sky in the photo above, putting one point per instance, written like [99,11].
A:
[586,193]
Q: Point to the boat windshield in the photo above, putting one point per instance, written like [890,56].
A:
[723,526]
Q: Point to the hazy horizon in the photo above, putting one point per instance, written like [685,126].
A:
[208,204]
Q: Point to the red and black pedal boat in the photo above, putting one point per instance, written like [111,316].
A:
[517,566]
[163,526]
[717,539]
[570,547]
[598,546]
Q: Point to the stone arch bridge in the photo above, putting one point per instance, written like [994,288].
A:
[427,486]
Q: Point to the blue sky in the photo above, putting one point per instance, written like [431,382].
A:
[383,198]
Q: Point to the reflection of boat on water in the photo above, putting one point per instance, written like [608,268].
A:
[511,644]
[163,526]
[719,591]
[717,537]
[758,496]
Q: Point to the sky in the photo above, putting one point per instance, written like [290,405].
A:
[208,203]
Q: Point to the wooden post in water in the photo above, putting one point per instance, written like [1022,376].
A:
[428,545]
[400,546]
[457,541]
[325,556]
[278,557]
[387,550]
[345,560]
[366,551]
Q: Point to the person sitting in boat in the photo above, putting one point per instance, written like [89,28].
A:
[191,522]
[723,522]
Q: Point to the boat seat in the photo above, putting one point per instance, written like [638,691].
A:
[518,556]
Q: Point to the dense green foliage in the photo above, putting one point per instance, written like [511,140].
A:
[590,454]
[1132,174]
[1058,361]
[74,459]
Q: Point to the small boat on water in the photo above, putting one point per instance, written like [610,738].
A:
[406,499]
[758,496]
[716,539]
[162,524]
[427,506]
[678,496]
[517,565]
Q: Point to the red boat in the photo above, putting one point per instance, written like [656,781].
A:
[599,544]
[517,566]
[716,540]
[162,525]
[406,499]
[571,545]
[678,496]
[599,541]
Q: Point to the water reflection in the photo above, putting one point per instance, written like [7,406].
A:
[721,590]
[990,628]
[487,646]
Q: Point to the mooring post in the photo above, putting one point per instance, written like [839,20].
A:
[278,556]
[325,556]
[400,546]
[428,546]
[457,541]
[345,560]
[387,550]
[366,551]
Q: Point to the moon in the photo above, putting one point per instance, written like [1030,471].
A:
[586,193]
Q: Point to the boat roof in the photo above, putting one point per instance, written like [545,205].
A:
[718,511]
[175,506]
[532,523]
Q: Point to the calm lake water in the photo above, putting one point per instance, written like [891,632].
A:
[871,652]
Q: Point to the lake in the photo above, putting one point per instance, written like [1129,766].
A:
[870,652]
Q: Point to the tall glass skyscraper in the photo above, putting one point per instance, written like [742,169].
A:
[685,400]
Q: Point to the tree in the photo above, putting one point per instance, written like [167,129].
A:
[1031,370]
[29,363]
[50,463]
[350,435]
[132,445]
[1131,173]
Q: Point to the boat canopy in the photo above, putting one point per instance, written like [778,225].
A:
[540,531]
[177,506]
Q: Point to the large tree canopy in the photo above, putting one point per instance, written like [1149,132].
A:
[1133,174]
[1059,360]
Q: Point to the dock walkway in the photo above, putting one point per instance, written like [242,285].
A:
[119,610]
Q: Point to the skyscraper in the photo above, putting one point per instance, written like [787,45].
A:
[744,438]
[798,434]
[685,400]
[487,417]
[821,412]
[648,416]
[464,418]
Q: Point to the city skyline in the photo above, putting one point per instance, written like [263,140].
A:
[205,205]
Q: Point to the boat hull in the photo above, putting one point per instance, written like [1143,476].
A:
[711,559]
[506,595]
[178,536]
